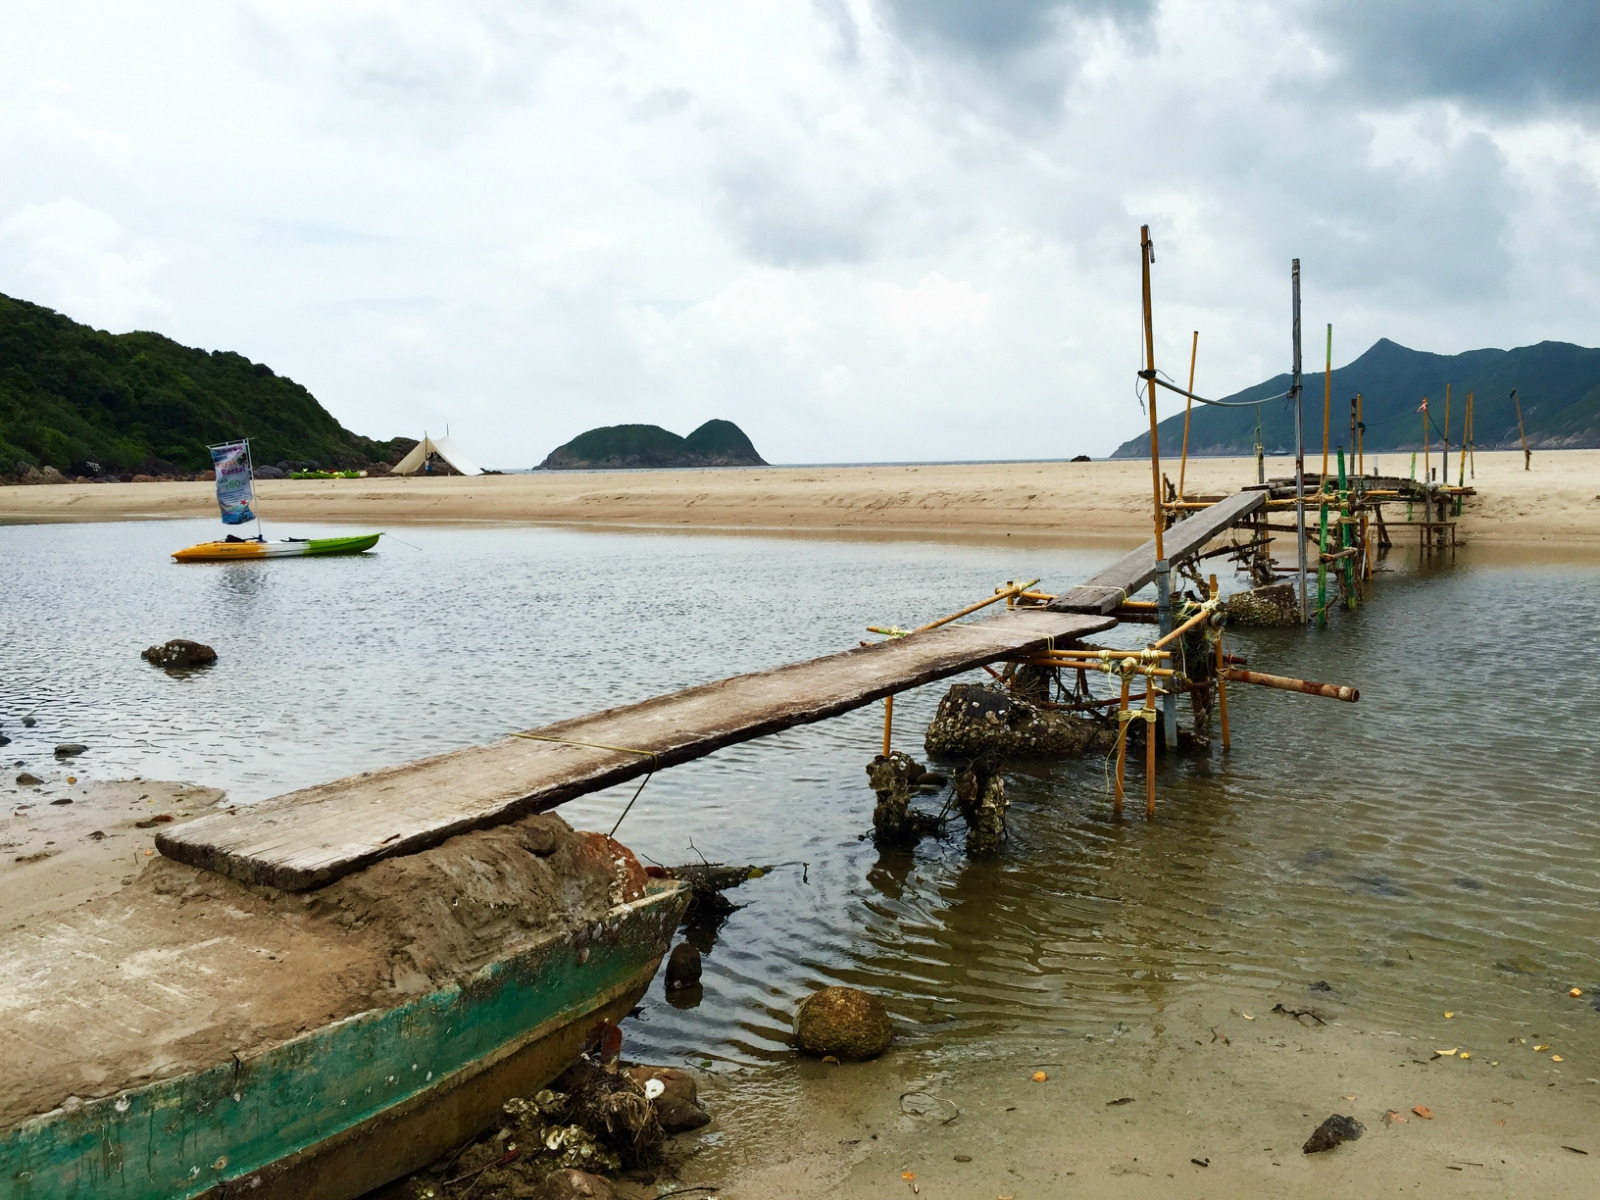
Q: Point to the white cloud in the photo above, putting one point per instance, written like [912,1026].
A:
[862,230]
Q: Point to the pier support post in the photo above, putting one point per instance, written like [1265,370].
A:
[1169,702]
[1299,448]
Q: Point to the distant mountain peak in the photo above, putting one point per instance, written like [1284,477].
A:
[1558,384]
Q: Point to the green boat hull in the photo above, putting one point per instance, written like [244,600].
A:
[347,1107]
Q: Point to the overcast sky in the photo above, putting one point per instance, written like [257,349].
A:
[865,231]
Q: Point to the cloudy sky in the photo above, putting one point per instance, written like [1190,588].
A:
[865,230]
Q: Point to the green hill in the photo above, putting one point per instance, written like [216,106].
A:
[1559,385]
[74,397]
[714,444]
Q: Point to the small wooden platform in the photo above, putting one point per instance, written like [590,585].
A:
[1132,571]
[305,839]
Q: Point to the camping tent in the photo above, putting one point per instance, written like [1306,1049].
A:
[412,463]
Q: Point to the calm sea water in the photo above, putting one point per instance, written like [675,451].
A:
[1434,846]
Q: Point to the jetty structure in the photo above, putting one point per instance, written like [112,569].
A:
[438,975]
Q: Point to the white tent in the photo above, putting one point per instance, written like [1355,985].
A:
[444,448]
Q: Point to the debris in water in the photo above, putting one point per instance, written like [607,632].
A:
[1040,1077]
[1423,1111]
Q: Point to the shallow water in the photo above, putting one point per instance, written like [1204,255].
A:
[1431,848]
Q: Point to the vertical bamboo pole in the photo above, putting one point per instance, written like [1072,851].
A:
[1361,440]
[1146,256]
[1188,403]
[1327,410]
[1346,564]
[1466,434]
[1322,561]
[1413,480]
[1472,435]
[1527,456]
[1444,457]
[1150,749]
[1472,441]
[888,721]
[1122,747]
[1222,682]
[1427,441]
[1299,446]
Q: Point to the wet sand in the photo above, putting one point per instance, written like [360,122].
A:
[1205,1086]
[1099,503]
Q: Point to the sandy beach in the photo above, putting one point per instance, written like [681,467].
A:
[1099,503]
[1216,1099]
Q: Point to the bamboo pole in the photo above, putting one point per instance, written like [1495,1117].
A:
[1327,409]
[1222,682]
[1332,691]
[1444,457]
[1188,403]
[1147,255]
[1466,427]
[1150,750]
[1527,456]
[1361,439]
[1472,439]
[1122,745]
[888,721]
[1002,594]
[1427,441]
[1322,562]
[1296,394]
[1167,639]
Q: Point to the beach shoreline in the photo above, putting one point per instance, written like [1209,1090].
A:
[1095,504]
[1215,1098]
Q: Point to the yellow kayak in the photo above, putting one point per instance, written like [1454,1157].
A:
[289,548]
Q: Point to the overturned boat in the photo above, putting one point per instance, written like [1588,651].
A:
[190,1035]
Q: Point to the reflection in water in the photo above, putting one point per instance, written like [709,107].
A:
[1429,848]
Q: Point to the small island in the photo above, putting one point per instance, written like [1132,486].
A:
[714,444]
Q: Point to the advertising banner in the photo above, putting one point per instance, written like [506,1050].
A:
[235,486]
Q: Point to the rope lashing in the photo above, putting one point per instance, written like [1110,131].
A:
[655,761]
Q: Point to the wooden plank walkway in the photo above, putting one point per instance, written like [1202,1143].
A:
[1111,586]
[308,838]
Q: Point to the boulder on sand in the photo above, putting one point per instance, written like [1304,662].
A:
[70,749]
[180,654]
[844,1022]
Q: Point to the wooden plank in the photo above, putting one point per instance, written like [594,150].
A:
[307,838]
[1133,570]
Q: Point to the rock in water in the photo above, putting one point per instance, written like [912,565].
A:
[977,718]
[1275,604]
[28,779]
[683,967]
[845,1022]
[180,654]
[677,1102]
[1331,1132]
[70,749]
[573,1185]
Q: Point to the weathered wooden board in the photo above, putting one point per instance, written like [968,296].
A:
[1111,586]
[305,839]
